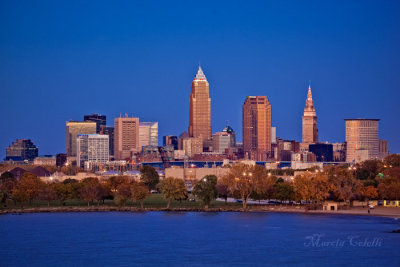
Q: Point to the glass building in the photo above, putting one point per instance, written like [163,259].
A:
[22,149]
[92,148]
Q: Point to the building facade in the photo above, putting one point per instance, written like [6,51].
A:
[200,108]
[126,137]
[92,148]
[100,120]
[192,146]
[362,140]
[73,128]
[323,152]
[171,140]
[148,134]
[257,127]
[310,130]
[22,149]
[109,130]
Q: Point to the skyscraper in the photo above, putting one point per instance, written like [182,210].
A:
[92,148]
[126,137]
[148,134]
[98,119]
[22,149]
[362,140]
[73,128]
[170,140]
[310,131]
[200,108]
[257,127]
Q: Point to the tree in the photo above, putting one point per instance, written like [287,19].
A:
[206,189]
[284,191]
[139,193]
[243,180]
[173,188]
[368,169]
[91,190]
[302,186]
[115,181]
[150,177]
[31,184]
[344,184]
[389,188]
[223,190]
[7,183]
[369,192]
[68,189]
[122,194]
[392,160]
[47,194]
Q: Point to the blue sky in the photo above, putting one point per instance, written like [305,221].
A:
[63,59]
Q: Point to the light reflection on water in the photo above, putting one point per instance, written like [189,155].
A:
[196,238]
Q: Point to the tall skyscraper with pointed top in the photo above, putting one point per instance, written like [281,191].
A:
[200,108]
[310,130]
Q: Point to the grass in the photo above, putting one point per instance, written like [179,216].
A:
[153,201]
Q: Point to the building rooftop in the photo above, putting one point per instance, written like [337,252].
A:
[359,119]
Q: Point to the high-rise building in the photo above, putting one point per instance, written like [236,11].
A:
[126,137]
[100,120]
[170,140]
[224,140]
[310,131]
[231,132]
[273,135]
[92,148]
[22,149]
[148,134]
[109,130]
[61,159]
[322,151]
[257,127]
[193,146]
[182,137]
[73,128]
[383,149]
[362,140]
[200,108]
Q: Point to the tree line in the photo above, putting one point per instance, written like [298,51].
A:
[369,180]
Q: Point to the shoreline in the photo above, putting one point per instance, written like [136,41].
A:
[378,212]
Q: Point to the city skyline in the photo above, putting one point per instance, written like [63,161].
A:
[88,68]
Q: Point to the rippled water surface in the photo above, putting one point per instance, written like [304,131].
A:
[190,238]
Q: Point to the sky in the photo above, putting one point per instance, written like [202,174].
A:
[60,60]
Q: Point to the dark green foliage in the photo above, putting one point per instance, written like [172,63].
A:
[206,189]
[150,177]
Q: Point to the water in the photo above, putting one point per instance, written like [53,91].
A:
[189,238]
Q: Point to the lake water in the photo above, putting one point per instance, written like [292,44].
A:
[190,238]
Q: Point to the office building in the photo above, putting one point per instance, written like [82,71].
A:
[148,134]
[323,152]
[224,140]
[192,146]
[383,149]
[92,148]
[310,131]
[73,128]
[257,127]
[20,150]
[362,140]
[171,140]
[200,108]
[61,159]
[109,130]
[126,137]
[100,120]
